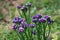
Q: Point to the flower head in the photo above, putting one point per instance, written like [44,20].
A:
[51,21]
[18,20]
[32,25]
[15,20]
[28,4]
[24,9]
[14,27]
[47,18]
[37,16]
[34,20]
[24,24]
[34,32]
[21,19]
[19,7]
[20,29]
[42,20]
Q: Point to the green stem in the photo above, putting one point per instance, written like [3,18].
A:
[19,13]
[29,33]
[44,34]
[25,16]
[38,32]
[22,35]
[49,31]
[44,31]
[29,15]
[29,12]
[26,34]
[18,35]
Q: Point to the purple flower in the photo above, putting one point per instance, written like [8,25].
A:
[42,20]
[47,18]
[34,20]
[51,21]
[32,25]
[20,29]
[18,20]
[28,4]
[34,32]
[37,16]
[19,7]
[24,9]
[15,20]
[14,27]
[24,24]
[21,19]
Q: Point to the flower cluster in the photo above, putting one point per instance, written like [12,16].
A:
[36,18]
[37,26]
[41,25]
[40,19]
[24,7]
[48,18]
[17,20]
[19,23]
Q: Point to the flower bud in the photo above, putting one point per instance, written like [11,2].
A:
[20,29]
